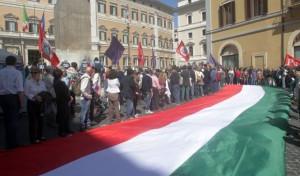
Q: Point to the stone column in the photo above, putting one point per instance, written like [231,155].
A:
[94,36]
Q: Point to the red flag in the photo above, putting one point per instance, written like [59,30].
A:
[181,49]
[290,61]
[44,45]
[141,58]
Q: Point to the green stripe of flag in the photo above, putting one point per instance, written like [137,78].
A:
[25,18]
[252,145]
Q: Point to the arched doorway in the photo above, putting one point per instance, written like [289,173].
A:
[230,56]
[296,46]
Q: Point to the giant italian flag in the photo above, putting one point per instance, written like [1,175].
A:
[237,131]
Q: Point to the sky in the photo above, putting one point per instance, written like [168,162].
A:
[172,3]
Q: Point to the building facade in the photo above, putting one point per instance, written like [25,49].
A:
[256,33]
[150,22]
[12,38]
[192,28]
[131,21]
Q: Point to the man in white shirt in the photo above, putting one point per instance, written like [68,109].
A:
[86,97]
[11,99]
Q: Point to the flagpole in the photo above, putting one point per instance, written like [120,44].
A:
[128,39]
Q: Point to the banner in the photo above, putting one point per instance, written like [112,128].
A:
[290,61]
[115,50]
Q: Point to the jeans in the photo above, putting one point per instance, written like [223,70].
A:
[129,108]
[84,113]
[176,93]
[185,93]
[147,99]
[192,90]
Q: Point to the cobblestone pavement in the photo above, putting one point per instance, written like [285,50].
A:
[292,142]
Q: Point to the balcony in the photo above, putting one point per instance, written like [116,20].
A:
[293,3]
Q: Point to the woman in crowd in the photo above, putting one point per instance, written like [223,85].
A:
[113,90]
[63,101]
[33,88]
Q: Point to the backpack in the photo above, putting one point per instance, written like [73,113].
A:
[75,86]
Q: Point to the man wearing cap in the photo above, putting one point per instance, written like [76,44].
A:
[11,99]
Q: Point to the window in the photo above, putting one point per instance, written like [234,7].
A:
[33,27]
[124,13]
[204,49]
[102,35]
[135,38]
[11,26]
[146,61]
[170,25]
[189,19]
[256,8]
[51,1]
[152,42]
[151,19]
[134,15]
[144,17]
[165,23]
[189,1]
[191,52]
[113,10]
[203,16]
[144,41]
[227,14]
[160,43]
[125,38]
[51,29]
[103,60]
[114,33]
[203,32]
[159,21]
[190,34]
[102,7]
[297,52]
[135,61]
[125,61]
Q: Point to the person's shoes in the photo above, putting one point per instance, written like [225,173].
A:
[43,138]
[149,112]
[93,123]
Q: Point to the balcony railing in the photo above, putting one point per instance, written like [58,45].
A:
[293,3]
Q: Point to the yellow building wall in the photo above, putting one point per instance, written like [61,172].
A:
[260,36]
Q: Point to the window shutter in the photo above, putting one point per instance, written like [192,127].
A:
[6,25]
[265,7]
[220,17]
[247,9]
[233,12]
[16,29]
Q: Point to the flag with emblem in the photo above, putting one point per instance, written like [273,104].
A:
[182,51]
[45,48]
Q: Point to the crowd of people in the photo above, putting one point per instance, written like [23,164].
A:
[51,93]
